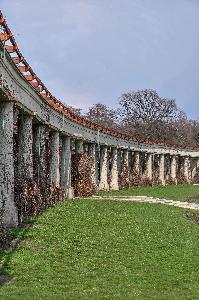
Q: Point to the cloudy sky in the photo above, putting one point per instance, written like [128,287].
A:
[89,51]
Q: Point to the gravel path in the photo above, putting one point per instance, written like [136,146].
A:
[188,205]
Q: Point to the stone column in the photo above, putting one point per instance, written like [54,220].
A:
[126,157]
[94,175]
[195,168]
[173,169]
[103,184]
[66,167]
[187,168]
[149,171]
[25,155]
[161,169]
[119,160]
[8,210]
[54,163]
[136,165]
[41,134]
[114,171]
[79,147]
[97,153]
[126,165]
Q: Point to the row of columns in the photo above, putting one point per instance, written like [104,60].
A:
[31,157]
[106,168]
[186,171]
[25,162]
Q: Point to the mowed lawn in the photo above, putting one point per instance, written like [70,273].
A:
[186,192]
[87,249]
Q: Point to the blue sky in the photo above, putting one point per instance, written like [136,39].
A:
[89,51]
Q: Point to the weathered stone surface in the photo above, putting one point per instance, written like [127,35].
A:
[114,185]
[7,205]
[54,163]
[173,168]
[187,168]
[148,173]
[103,184]
[66,167]
[161,169]
[25,147]
[41,155]
[94,170]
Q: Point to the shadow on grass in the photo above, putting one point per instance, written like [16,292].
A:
[194,198]
[192,216]
[12,240]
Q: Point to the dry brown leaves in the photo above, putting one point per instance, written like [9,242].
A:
[82,174]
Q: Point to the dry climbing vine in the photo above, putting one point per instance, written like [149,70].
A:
[83,174]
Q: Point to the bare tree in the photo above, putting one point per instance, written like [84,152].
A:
[148,116]
[102,115]
[77,111]
[147,105]
[187,130]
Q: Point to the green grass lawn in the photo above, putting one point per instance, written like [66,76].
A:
[87,249]
[172,192]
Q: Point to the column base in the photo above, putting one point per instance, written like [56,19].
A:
[10,217]
[103,187]
[114,187]
[70,193]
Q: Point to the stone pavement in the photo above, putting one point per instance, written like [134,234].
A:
[146,199]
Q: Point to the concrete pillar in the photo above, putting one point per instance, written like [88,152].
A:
[41,134]
[126,157]
[119,160]
[94,175]
[187,168]
[130,162]
[136,165]
[66,167]
[114,171]
[126,164]
[8,210]
[148,173]
[15,115]
[161,169]
[195,168]
[79,147]
[103,184]
[54,163]
[173,168]
[25,155]
[97,153]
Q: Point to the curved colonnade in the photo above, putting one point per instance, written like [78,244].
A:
[28,108]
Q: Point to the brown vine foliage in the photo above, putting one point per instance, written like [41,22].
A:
[135,179]
[82,173]
[31,199]
[195,179]
[181,179]
[170,181]
[123,178]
